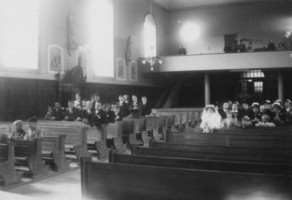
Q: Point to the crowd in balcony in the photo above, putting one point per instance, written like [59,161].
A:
[242,47]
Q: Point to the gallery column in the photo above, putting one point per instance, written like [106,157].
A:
[207,88]
[280,86]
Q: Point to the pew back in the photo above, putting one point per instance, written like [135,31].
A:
[122,181]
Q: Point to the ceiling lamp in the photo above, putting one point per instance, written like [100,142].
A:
[152,61]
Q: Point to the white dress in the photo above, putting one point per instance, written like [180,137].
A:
[210,121]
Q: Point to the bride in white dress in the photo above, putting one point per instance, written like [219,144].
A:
[211,119]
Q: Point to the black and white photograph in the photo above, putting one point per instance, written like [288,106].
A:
[145,99]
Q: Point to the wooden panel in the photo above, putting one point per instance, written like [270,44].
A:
[105,181]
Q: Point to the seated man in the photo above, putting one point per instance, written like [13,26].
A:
[58,112]
[71,113]
[145,108]
[18,133]
[33,132]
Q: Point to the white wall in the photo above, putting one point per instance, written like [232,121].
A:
[128,20]
[259,22]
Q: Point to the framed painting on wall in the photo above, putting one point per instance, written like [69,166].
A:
[121,69]
[133,71]
[81,59]
[55,58]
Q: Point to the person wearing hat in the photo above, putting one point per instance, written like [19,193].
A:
[235,112]
[267,108]
[256,114]
[288,110]
[278,116]
[211,119]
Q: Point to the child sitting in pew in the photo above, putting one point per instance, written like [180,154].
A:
[33,131]
[118,114]
[49,114]
[110,115]
[87,114]
[211,119]
[18,133]
[99,120]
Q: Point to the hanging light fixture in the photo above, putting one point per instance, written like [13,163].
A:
[152,60]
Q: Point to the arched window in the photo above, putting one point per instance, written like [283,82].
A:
[149,37]
[19,41]
[101,37]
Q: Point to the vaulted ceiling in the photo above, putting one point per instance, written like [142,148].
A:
[183,4]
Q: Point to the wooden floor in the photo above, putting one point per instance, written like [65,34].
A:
[56,187]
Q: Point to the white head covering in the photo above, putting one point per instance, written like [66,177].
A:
[213,121]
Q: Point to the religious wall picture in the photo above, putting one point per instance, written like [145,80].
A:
[81,59]
[121,69]
[56,58]
[133,74]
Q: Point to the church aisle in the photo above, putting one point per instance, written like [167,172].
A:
[60,187]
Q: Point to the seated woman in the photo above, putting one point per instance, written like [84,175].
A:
[18,133]
[235,111]
[279,117]
[224,110]
[256,115]
[33,131]
[211,119]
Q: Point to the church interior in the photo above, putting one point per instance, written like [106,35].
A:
[194,62]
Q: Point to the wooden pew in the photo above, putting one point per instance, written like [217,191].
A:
[53,152]
[8,175]
[185,117]
[243,139]
[126,181]
[220,153]
[75,142]
[76,136]
[222,165]
[28,157]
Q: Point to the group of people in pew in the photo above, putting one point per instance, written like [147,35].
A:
[18,133]
[244,115]
[94,113]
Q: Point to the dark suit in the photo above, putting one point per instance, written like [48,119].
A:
[99,118]
[58,113]
[145,109]
[135,109]
[72,114]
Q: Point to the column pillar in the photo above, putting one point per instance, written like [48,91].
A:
[207,88]
[280,86]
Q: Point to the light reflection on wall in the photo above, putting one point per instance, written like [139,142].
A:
[101,40]
[190,32]
[19,30]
